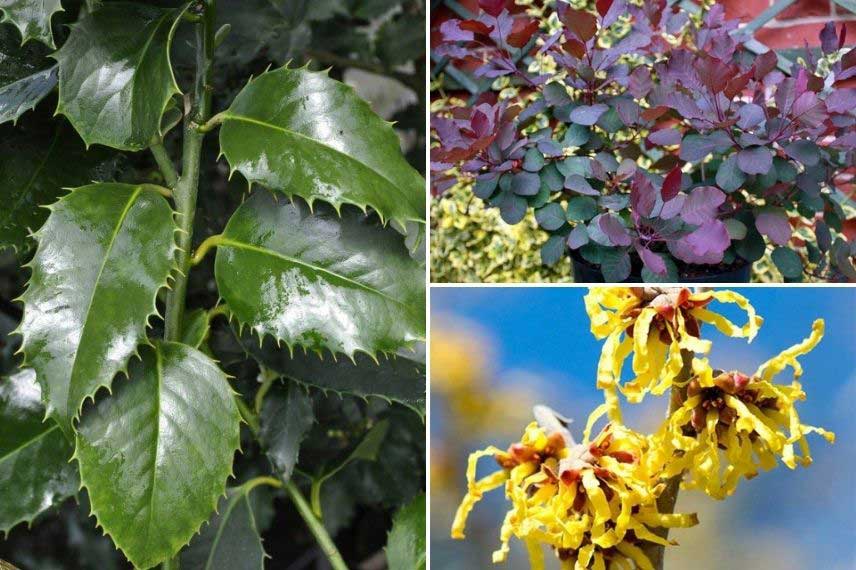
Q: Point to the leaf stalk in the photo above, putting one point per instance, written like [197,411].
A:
[315,527]
[202,250]
[164,162]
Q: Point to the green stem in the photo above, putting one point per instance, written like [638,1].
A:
[324,541]
[188,184]
[170,175]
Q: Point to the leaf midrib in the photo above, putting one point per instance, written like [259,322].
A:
[266,251]
[131,201]
[159,376]
[243,118]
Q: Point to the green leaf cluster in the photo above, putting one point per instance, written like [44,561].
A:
[123,394]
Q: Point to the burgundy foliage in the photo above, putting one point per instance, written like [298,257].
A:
[669,142]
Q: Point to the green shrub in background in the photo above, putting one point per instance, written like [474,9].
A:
[471,244]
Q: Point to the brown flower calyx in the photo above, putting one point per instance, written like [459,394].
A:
[667,301]
[732,383]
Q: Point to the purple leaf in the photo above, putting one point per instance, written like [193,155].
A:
[750,115]
[841,100]
[640,82]
[701,205]
[580,185]
[705,245]
[828,38]
[452,32]
[673,207]
[616,8]
[588,114]
[665,137]
[642,195]
[775,225]
[755,160]
[615,230]
[696,147]
[578,237]
[526,183]
[651,260]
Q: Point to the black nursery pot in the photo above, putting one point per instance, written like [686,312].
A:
[585,272]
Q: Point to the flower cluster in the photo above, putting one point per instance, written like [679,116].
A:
[598,503]
[592,502]
[649,139]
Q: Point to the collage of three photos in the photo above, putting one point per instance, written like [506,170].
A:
[397,284]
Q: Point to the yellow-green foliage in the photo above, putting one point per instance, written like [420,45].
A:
[471,244]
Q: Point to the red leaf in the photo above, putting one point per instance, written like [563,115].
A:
[492,7]
[575,47]
[714,73]
[671,185]
[521,32]
[738,84]
[653,113]
[849,229]
[476,27]
[764,64]
[603,7]
[583,24]
[843,35]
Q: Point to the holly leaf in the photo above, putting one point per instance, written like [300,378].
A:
[231,540]
[405,549]
[26,77]
[286,418]
[35,473]
[103,255]
[23,95]
[38,160]
[115,75]
[394,378]
[302,133]
[155,454]
[319,280]
[31,17]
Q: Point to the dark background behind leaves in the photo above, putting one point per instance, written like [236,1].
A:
[359,40]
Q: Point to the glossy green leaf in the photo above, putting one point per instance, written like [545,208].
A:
[231,540]
[103,254]
[155,455]
[394,378]
[302,133]
[286,418]
[115,76]
[36,162]
[195,328]
[26,75]
[31,17]
[366,450]
[35,473]
[318,280]
[405,549]
[23,95]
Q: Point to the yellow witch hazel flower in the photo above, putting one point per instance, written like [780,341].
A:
[655,324]
[594,503]
[731,424]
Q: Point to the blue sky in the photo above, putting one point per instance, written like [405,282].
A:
[540,338]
